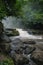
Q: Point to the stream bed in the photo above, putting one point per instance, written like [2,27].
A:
[23,45]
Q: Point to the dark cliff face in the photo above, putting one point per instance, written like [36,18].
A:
[3,36]
[1,28]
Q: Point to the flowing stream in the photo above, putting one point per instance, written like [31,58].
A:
[25,34]
[13,22]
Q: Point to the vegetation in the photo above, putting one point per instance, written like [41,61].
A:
[5,60]
[31,11]
[33,14]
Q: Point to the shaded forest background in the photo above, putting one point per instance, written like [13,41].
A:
[30,11]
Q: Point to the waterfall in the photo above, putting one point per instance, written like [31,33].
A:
[15,23]
[12,22]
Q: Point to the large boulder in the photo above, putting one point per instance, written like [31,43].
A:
[11,32]
[25,49]
[37,56]
[29,49]
[19,47]
[19,59]
[39,46]
[3,36]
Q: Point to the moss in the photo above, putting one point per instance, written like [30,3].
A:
[5,60]
[11,32]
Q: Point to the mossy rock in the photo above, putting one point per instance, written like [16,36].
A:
[11,32]
[5,60]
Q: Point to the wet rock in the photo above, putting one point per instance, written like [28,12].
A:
[37,57]
[29,42]
[17,41]
[20,48]
[29,50]
[3,36]
[11,32]
[25,49]
[19,51]
[39,46]
[19,59]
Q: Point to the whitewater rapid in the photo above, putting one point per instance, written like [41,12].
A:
[25,34]
[14,23]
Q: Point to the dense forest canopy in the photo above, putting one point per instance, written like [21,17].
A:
[31,11]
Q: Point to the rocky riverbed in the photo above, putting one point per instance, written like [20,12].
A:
[31,51]
[24,49]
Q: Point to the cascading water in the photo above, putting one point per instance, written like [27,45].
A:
[25,34]
[13,22]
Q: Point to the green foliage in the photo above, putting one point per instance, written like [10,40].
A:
[10,8]
[7,62]
[2,10]
[31,11]
[5,59]
[33,14]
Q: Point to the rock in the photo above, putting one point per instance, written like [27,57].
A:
[20,48]
[19,59]
[11,32]
[5,60]
[5,47]
[39,46]
[5,38]
[25,49]
[37,56]
[29,42]
[19,51]
[1,28]
[29,50]
[17,41]
[29,31]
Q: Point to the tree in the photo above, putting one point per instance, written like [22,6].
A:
[31,11]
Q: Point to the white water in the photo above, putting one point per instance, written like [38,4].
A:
[25,34]
[13,22]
